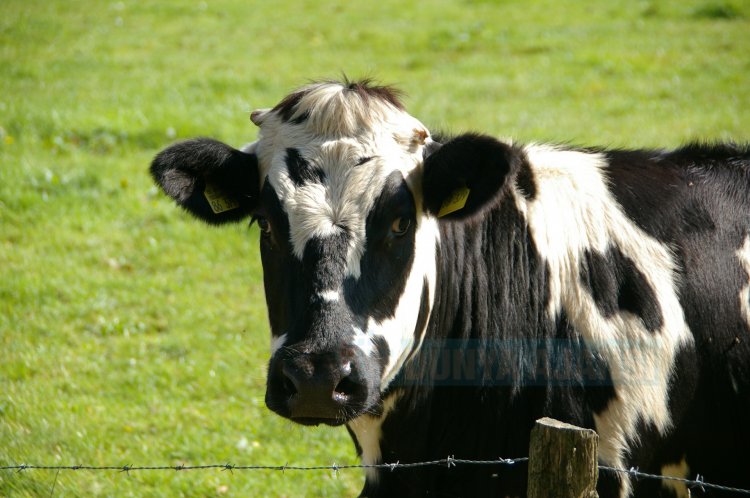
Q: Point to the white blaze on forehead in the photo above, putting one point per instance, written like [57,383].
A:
[350,188]
[339,205]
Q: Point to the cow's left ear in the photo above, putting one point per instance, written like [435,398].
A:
[466,174]
[211,180]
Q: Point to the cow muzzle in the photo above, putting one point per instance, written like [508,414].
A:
[311,389]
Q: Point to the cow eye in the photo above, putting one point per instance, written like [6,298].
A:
[400,226]
[263,224]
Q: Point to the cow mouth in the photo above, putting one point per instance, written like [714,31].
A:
[333,422]
[316,414]
[313,414]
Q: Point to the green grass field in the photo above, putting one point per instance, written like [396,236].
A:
[131,334]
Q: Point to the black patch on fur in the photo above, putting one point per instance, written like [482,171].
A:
[644,188]
[300,170]
[599,396]
[288,107]
[673,194]
[284,289]
[726,154]
[324,261]
[597,380]
[387,260]
[304,116]
[616,284]
[696,218]
[585,368]
[525,181]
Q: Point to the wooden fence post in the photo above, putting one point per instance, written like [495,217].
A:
[562,461]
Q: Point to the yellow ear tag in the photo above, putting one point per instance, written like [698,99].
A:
[456,201]
[217,200]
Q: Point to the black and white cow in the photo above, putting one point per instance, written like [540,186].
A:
[437,296]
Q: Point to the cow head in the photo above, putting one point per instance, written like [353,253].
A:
[345,187]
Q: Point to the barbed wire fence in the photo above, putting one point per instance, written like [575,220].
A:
[696,484]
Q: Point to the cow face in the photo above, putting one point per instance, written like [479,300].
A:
[348,240]
[348,256]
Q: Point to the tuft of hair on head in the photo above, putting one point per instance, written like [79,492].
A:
[339,108]
[368,88]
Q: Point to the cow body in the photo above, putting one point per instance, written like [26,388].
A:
[438,296]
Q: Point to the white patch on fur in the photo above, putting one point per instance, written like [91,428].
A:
[743,254]
[363,341]
[367,429]
[277,342]
[680,470]
[330,296]
[342,204]
[341,129]
[574,212]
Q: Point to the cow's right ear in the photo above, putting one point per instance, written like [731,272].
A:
[466,174]
[211,180]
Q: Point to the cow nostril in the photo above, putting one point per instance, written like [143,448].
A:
[345,388]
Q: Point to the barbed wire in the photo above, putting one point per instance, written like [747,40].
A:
[697,483]
[449,462]
[444,462]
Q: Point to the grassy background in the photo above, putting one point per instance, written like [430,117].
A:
[130,334]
